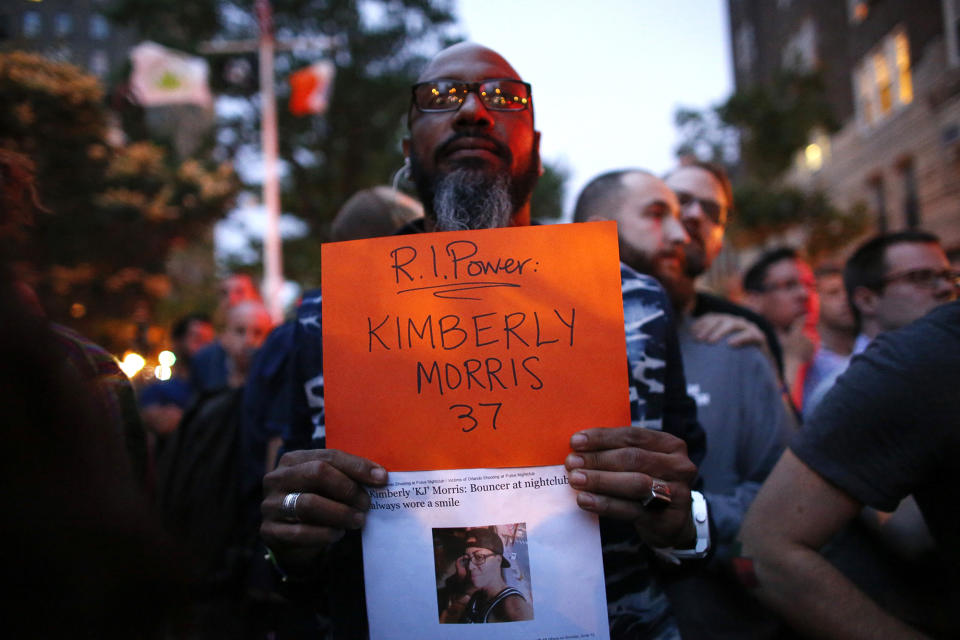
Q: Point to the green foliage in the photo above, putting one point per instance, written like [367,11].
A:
[114,212]
[180,24]
[773,122]
[776,120]
[763,211]
[377,47]
[704,135]
[546,203]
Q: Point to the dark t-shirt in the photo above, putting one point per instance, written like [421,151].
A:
[890,427]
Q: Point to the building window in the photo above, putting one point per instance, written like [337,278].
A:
[883,82]
[32,24]
[951,21]
[746,48]
[800,52]
[99,27]
[879,202]
[62,24]
[99,63]
[911,203]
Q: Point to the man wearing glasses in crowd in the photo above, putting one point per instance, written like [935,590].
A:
[892,280]
[780,286]
[884,435]
[474,157]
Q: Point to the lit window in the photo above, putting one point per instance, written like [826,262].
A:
[99,27]
[816,154]
[905,82]
[62,24]
[882,81]
[882,76]
[800,52]
[32,24]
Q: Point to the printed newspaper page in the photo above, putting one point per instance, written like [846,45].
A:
[448,553]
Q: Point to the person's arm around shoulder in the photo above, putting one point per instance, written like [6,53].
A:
[793,516]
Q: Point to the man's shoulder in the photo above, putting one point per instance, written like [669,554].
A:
[723,362]
[635,281]
[710,303]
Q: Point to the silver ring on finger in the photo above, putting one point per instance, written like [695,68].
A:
[659,494]
[288,508]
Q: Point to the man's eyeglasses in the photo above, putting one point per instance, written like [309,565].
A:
[711,208]
[925,278]
[500,94]
[478,558]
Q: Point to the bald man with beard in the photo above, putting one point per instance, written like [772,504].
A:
[474,159]
[736,389]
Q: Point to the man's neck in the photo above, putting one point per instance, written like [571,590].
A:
[871,328]
[521,218]
[837,340]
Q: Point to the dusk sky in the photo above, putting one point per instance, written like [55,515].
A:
[607,75]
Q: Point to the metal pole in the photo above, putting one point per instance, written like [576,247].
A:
[272,247]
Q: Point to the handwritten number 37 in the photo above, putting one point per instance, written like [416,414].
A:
[467,415]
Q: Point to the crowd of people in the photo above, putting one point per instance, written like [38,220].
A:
[784,474]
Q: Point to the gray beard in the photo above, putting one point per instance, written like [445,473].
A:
[465,199]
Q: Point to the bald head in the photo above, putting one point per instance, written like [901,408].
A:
[465,60]
[603,197]
[650,234]
[474,153]
[248,324]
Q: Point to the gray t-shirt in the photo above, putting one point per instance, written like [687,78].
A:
[740,407]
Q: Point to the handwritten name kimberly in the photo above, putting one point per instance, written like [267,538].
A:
[512,330]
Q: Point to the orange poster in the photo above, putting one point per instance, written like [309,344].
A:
[473,349]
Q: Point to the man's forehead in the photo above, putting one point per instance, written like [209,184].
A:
[648,187]
[692,176]
[467,61]
[910,254]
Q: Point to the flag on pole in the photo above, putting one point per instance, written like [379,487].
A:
[162,76]
[310,88]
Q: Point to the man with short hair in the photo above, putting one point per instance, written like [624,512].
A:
[372,213]
[780,287]
[706,203]
[892,280]
[836,331]
[896,278]
[210,363]
[736,388]
[474,157]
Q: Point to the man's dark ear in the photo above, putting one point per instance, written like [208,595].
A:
[536,145]
[865,300]
[405,147]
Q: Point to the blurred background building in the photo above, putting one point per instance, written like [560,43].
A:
[74,31]
[891,73]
